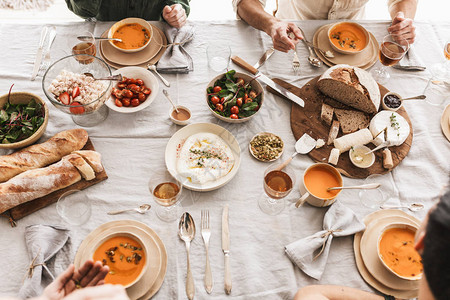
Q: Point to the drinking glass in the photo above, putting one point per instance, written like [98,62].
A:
[218,57]
[74,207]
[277,185]
[392,50]
[166,191]
[84,47]
[374,198]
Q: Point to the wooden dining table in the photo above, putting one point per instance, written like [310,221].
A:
[133,148]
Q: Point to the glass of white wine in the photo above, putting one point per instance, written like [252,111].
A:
[166,191]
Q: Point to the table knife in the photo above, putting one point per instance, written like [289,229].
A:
[263,58]
[243,64]
[38,60]
[226,249]
[409,68]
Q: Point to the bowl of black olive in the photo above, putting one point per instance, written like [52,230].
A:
[392,101]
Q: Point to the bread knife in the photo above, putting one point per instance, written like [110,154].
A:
[263,58]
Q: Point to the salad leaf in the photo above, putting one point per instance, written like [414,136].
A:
[249,106]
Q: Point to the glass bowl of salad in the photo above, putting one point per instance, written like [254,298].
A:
[69,89]
[234,97]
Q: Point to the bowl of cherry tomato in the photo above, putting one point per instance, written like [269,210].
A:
[137,90]
[234,97]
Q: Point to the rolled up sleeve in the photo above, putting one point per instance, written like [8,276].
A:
[236,4]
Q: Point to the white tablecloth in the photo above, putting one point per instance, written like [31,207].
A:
[133,147]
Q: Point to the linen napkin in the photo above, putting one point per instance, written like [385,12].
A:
[48,248]
[176,59]
[410,60]
[310,254]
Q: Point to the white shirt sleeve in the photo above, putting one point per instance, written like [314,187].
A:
[391,3]
[236,3]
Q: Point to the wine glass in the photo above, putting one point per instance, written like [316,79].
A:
[392,50]
[166,191]
[374,198]
[277,185]
[84,47]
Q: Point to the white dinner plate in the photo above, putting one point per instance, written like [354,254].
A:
[176,143]
[150,81]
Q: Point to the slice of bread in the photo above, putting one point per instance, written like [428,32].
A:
[83,167]
[93,158]
[327,114]
[352,86]
[351,120]
[334,131]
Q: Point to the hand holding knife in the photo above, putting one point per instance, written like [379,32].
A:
[226,249]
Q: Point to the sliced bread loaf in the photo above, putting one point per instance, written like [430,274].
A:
[351,120]
[352,86]
[327,114]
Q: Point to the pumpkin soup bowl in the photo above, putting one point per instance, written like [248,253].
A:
[129,21]
[348,37]
[315,181]
[120,248]
[399,253]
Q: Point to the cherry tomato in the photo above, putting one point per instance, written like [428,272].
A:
[127,93]
[126,102]
[222,100]
[245,96]
[118,103]
[234,116]
[239,102]
[217,89]
[113,91]
[121,85]
[135,102]
[215,100]
[124,80]
[134,88]
[142,97]
[240,82]
[247,100]
[76,108]
[219,107]
[132,81]
[118,94]
[128,80]
[252,94]
[147,91]
[234,109]
[140,82]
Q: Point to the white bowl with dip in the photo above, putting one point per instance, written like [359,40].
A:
[359,158]
[183,116]
[390,101]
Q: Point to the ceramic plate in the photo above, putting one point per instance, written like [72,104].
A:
[150,81]
[157,257]
[176,142]
[363,60]
[445,122]
[270,134]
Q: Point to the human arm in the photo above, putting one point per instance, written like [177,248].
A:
[252,12]
[104,292]
[84,8]
[333,292]
[175,12]
[402,14]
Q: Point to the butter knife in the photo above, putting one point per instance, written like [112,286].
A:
[226,249]
[409,68]
[263,58]
[38,60]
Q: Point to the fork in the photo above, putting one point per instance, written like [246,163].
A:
[295,61]
[206,234]
[47,60]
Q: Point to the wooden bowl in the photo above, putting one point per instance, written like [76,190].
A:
[139,21]
[24,98]
[255,85]
[355,27]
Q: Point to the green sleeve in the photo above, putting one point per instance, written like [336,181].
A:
[84,8]
[184,3]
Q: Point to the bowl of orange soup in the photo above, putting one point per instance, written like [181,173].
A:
[396,251]
[348,37]
[125,255]
[135,34]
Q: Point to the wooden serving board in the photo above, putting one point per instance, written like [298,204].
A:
[307,120]
[30,207]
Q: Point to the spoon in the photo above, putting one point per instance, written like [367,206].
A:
[117,77]
[368,186]
[327,53]
[303,146]
[86,38]
[312,58]
[186,232]
[421,97]
[166,93]
[141,209]
[153,68]
[411,207]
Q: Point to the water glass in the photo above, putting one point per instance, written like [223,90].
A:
[218,57]
[74,207]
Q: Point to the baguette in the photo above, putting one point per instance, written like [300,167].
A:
[33,184]
[40,155]
[93,158]
[83,167]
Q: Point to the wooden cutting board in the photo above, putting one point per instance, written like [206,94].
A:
[307,120]
[30,207]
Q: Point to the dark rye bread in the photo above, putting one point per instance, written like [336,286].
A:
[351,86]
[326,114]
[351,120]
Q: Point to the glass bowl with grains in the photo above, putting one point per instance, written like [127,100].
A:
[266,146]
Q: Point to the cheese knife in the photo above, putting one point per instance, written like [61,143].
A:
[263,58]
[278,88]
[226,249]
[38,60]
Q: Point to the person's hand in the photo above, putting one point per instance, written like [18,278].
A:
[404,27]
[104,292]
[90,274]
[174,15]
[279,33]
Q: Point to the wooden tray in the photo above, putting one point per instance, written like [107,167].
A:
[307,120]
[30,207]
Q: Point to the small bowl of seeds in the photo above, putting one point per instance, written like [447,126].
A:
[266,146]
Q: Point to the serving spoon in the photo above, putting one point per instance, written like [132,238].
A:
[186,232]
[312,58]
[368,186]
[86,38]
[166,93]
[117,77]
[411,207]
[141,209]
[421,97]
[327,53]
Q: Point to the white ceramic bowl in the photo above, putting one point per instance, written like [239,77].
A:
[366,33]
[178,122]
[139,21]
[365,149]
[256,86]
[150,81]
[391,226]
[383,104]
[132,236]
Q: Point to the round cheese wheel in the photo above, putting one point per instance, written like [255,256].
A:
[397,127]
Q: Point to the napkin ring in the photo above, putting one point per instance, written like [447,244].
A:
[325,237]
